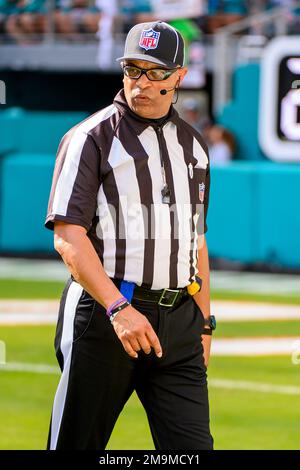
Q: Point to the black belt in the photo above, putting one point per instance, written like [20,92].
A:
[163,297]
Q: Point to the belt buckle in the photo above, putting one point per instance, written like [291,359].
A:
[160,302]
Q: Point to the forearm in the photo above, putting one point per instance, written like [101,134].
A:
[84,264]
[132,328]
[202,298]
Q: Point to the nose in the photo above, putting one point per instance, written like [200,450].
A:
[143,81]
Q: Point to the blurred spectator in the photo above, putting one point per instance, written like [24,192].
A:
[191,109]
[106,29]
[6,8]
[224,12]
[290,17]
[118,16]
[135,11]
[221,145]
[73,17]
[24,19]
[292,14]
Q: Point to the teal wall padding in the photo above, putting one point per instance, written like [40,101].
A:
[278,214]
[35,131]
[9,129]
[254,213]
[48,130]
[231,219]
[28,144]
[25,185]
[240,116]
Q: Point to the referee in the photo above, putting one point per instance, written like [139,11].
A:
[128,207]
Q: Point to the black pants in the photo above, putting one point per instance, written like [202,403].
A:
[98,376]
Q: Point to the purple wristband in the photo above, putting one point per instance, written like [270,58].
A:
[115,304]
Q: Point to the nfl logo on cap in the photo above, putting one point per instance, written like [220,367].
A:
[149,39]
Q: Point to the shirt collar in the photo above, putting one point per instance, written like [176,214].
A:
[140,123]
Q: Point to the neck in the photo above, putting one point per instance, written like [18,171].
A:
[121,102]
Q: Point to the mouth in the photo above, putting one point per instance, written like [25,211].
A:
[141,98]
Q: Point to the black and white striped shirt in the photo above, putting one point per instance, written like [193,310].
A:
[108,178]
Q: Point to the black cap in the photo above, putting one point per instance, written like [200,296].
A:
[156,42]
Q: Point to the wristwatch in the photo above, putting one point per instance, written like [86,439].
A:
[210,324]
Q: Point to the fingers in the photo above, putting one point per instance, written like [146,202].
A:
[145,345]
[135,344]
[150,339]
[132,344]
[129,349]
[135,333]
[154,341]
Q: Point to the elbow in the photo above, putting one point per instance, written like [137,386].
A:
[65,250]
[59,245]
[69,242]
[68,254]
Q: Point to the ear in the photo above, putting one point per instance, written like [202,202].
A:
[182,73]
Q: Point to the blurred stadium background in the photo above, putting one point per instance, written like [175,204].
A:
[57,65]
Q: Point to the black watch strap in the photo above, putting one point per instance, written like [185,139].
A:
[210,322]
[207,331]
[120,307]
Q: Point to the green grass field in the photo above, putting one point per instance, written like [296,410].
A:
[240,419]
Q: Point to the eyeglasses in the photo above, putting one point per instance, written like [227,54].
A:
[154,75]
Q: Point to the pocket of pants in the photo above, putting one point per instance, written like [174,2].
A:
[84,315]
[200,316]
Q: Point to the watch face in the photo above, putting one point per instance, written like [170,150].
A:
[213,322]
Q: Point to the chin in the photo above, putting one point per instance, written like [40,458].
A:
[141,111]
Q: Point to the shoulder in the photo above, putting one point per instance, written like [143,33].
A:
[186,127]
[91,127]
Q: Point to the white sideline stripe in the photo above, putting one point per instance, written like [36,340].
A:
[28,318]
[29,306]
[263,283]
[259,346]
[254,386]
[252,311]
[215,383]
[24,367]
[35,270]
[46,311]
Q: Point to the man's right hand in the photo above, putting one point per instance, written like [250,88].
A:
[135,332]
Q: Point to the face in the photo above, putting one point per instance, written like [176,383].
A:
[143,95]
[215,134]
